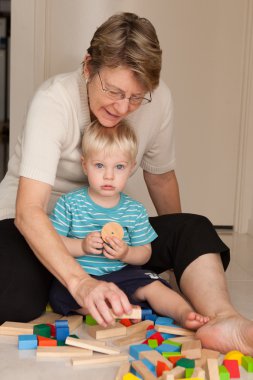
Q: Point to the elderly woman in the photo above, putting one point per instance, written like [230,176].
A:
[119,78]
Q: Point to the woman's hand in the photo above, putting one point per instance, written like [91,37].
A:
[93,243]
[115,249]
[98,297]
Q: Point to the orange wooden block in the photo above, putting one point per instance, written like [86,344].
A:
[46,342]
[125,322]
[160,368]
[174,359]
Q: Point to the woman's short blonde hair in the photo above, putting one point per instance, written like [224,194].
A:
[97,138]
[128,40]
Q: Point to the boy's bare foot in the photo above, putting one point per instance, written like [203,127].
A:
[226,333]
[192,320]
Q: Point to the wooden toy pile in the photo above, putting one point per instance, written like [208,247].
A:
[154,348]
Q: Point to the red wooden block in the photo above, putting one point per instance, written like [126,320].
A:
[150,327]
[46,342]
[126,322]
[156,336]
[160,367]
[174,359]
[232,367]
[52,329]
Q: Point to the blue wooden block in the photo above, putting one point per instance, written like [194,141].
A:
[146,312]
[150,332]
[164,321]
[151,317]
[61,323]
[149,365]
[27,342]
[167,348]
[62,333]
[135,349]
[168,336]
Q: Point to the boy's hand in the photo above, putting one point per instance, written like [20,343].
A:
[93,243]
[115,249]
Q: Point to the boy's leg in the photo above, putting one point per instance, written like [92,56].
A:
[166,301]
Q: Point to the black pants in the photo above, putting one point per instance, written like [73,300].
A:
[25,283]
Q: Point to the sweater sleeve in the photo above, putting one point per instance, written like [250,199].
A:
[44,134]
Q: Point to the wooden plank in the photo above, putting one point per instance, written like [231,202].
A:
[74,321]
[174,330]
[47,317]
[91,345]
[175,373]
[192,349]
[212,369]
[135,314]
[137,327]
[139,336]
[100,359]
[153,356]
[99,332]
[62,352]
[16,328]
[145,373]
[123,369]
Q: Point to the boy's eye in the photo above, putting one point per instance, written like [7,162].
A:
[120,166]
[99,165]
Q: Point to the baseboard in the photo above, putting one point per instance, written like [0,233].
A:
[250,228]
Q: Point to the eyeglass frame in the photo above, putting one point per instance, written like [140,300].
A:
[122,95]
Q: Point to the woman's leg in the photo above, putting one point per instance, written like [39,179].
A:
[24,282]
[166,302]
[198,257]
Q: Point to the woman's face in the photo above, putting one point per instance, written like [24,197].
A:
[109,91]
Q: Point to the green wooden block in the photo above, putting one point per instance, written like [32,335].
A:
[42,330]
[89,320]
[186,363]
[247,363]
[167,341]
[152,343]
[61,343]
[168,354]
[223,373]
[188,372]
[74,336]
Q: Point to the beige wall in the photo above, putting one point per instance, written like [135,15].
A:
[207,56]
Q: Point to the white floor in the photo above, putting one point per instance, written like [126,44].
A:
[23,365]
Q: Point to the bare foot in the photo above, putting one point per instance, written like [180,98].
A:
[192,320]
[227,333]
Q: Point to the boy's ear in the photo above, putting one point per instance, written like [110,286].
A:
[83,163]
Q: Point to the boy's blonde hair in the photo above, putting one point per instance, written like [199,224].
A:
[108,139]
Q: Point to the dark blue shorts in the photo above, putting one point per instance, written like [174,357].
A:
[128,279]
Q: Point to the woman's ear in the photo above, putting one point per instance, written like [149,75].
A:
[86,69]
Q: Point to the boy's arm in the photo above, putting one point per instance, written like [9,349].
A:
[92,243]
[119,250]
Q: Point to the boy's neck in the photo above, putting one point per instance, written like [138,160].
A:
[106,202]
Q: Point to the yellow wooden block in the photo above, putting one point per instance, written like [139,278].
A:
[130,376]
[234,355]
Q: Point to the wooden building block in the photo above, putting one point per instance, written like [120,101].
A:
[141,369]
[247,363]
[99,332]
[42,329]
[130,376]
[135,314]
[192,349]
[175,373]
[46,342]
[161,367]
[47,317]
[136,349]
[27,342]
[212,369]
[16,328]
[232,367]
[137,327]
[100,359]
[199,372]
[154,356]
[62,352]
[123,370]
[74,321]
[223,372]
[182,339]
[234,355]
[174,330]
[134,338]
[206,354]
[91,345]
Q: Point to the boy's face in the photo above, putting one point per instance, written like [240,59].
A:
[107,174]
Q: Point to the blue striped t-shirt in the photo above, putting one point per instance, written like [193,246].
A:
[75,215]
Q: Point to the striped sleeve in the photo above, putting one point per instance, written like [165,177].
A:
[142,233]
[61,217]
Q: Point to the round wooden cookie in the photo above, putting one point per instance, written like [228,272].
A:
[111,229]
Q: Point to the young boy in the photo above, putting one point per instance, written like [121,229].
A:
[108,160]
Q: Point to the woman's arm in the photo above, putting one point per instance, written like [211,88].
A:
[164,192]
[34,224]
